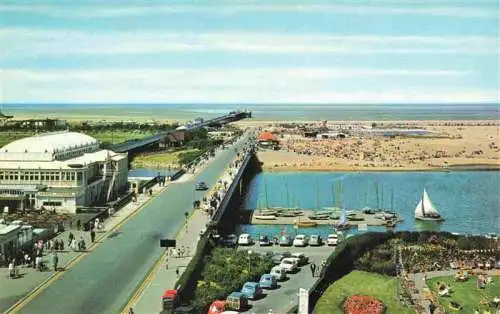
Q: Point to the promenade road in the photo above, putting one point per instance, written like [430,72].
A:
[104,281]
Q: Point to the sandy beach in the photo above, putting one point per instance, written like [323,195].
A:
[453,145]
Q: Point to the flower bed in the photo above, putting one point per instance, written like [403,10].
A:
[361,304]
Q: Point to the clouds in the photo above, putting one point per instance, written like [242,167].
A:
[261,51]
[22,42]
[348,8]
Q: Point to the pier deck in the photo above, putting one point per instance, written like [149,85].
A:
[369,220]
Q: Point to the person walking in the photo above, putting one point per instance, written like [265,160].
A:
[70,238]
[166,263]
[177,271]
[313,269]
[92,235]
[78,224]
[55,261]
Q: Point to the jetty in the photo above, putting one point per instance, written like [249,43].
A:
[367,219]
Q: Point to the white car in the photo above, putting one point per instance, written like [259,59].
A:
[301,258]
[300,240]
[289,264]
[278,272]
[245,239]
[332,240]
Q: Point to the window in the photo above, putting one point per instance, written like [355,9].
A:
[50,203]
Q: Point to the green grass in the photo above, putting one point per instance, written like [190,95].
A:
[160,158]
[360,283]
[113,137]
[465,293]
[8,136]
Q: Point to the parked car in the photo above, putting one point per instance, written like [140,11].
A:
[245,239]
[268,281]
[237,301]
[332,240]
[286,241]
[315,240]
[201,186]
[264,241]
[278,256]
[230,240]
[289,264]
[300,240]
[252,290]
[217,307]
[278,272]
[301,258]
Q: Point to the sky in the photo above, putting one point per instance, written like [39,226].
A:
[379,51]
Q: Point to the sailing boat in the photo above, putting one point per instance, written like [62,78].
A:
[425,210]
[343,223]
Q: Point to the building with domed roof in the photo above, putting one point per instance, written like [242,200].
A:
[60,171]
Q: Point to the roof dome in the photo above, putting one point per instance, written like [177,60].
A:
[267,136]
[49,143]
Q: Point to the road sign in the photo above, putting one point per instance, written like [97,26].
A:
[303,301]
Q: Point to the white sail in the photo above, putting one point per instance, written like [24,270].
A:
[419,210]
[428,206]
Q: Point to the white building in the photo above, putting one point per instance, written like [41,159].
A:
[61,171]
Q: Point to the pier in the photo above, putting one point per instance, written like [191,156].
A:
[368,219]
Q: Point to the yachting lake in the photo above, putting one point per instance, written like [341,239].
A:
[468,200]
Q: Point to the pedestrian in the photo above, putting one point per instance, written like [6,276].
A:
[96,224]
[91,225]
[92,235]
[70,238]
[73,244]
[130,310]
[166,263]
[313,269]
[432,307]
[177,271]
[55,261]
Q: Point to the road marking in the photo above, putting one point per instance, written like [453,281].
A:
[42,286]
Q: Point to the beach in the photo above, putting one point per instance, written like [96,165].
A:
[460,145]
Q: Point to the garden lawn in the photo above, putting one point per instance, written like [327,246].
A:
[164,159]
[9,136]
[465,293]
[360,283]
[114,137]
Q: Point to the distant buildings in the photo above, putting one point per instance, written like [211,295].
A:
[268,140]
[59,171]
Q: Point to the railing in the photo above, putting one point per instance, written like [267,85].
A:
[227,197]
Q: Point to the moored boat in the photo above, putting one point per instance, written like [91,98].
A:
[264,217]
[306,224]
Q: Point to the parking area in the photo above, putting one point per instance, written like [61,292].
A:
[280,300]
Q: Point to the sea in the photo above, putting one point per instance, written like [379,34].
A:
[260,111]
[469,200]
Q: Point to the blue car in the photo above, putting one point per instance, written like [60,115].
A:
[252,290]
[268,281]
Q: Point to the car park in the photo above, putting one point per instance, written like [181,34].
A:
[278,272]
[301,258]
[289,264]
[315,240]
[286,241]
[264,241]
[251,290]
[332,240]
[268,281]
[245,239]
[300,240]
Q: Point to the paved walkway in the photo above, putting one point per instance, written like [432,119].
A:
[30,278]
[422,288]
[169,268]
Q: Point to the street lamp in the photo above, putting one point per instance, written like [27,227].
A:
[249,261]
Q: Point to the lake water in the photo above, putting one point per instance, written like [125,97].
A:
[469,200]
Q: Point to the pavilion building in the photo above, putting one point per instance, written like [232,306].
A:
[61,171]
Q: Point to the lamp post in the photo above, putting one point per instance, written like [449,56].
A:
[249,261]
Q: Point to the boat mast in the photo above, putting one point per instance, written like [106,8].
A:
[376,193]
[267,196]
[317,195]
[423,208]
[392,199]
[287,195]
[382,196]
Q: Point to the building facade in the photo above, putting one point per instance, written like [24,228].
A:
[60,171]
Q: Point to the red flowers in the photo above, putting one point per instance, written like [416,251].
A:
[360,304]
